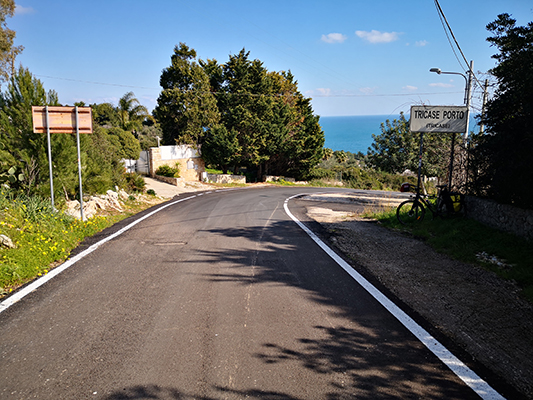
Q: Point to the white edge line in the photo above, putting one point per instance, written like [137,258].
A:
[71,261]
[469,377]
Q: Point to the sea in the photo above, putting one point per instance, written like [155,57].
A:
[352,133]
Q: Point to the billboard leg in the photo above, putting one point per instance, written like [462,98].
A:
[79,163]
[420,158]
[50,159]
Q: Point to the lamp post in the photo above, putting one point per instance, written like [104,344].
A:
[468,88]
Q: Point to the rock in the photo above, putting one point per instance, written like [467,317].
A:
[112,197]
[123,194]
[6,242]
[89,209]
[73,208]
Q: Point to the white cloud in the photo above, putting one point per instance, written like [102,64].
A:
[410,88]
[21,10]
[334,38]
[421,43]
[444,85]
[326,92]
[377,36]
[367,90]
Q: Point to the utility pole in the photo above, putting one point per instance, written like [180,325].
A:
[468,97]
[485,95]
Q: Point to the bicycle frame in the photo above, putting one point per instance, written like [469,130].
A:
[414,209]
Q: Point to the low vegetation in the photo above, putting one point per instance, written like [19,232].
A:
[469,241]
[43,238]
[168,171]
[340,168]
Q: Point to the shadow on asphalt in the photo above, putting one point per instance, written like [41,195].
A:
[376,360]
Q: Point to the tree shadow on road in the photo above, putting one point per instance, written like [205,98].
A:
[155,392]
[364,358]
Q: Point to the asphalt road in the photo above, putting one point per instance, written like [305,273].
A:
[221,296]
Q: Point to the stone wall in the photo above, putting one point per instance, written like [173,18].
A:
[224,178]
[501,216]
[191,165]
[179,182]
[271,178]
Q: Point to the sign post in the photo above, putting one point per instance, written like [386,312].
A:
[49,157]
[63,120]
[440,119]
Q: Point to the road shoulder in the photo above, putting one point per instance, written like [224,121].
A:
[479,312]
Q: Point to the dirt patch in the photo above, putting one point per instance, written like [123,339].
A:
[481,313]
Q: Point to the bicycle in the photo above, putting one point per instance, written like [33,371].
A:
[443,204]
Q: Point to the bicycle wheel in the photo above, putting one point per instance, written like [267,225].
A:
[410,211]
[443,209]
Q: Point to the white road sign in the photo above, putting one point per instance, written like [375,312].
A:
[443,119]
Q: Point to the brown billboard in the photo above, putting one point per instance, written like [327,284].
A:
[62,119]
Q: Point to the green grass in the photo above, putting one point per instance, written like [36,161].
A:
[469,241]
[213,171]
[43,238]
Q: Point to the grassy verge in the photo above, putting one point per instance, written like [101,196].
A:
[42,237]
[467,240]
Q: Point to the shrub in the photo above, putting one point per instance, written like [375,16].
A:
[134,182]
[166,170]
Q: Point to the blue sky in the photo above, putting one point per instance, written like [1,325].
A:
[351,57]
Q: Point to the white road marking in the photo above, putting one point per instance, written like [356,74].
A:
[469,377]
[56,271]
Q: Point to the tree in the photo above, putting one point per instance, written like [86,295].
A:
[239,114]
[396,149]
[105,114]
[8,52]
[247,108]
[221,148]
[27,151]
[268,125]
[102,167]
[126,145]
[186,108]
[148,135]
[131,113]
[20,146]
[501,158]
[340,156]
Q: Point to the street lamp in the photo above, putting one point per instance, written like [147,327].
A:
[468,88]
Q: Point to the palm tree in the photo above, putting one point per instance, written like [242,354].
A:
[131,113]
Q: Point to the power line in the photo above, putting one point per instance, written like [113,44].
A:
[385,95]
[442,16]
[95,83]
[249,94]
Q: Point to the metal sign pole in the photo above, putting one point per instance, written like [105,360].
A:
[420,158]
[79,162]
[452,155]
[50,158]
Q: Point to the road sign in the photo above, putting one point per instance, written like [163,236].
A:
[443,119]
[49,119]
[62,119]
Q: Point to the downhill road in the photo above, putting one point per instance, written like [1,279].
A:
[219,296]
